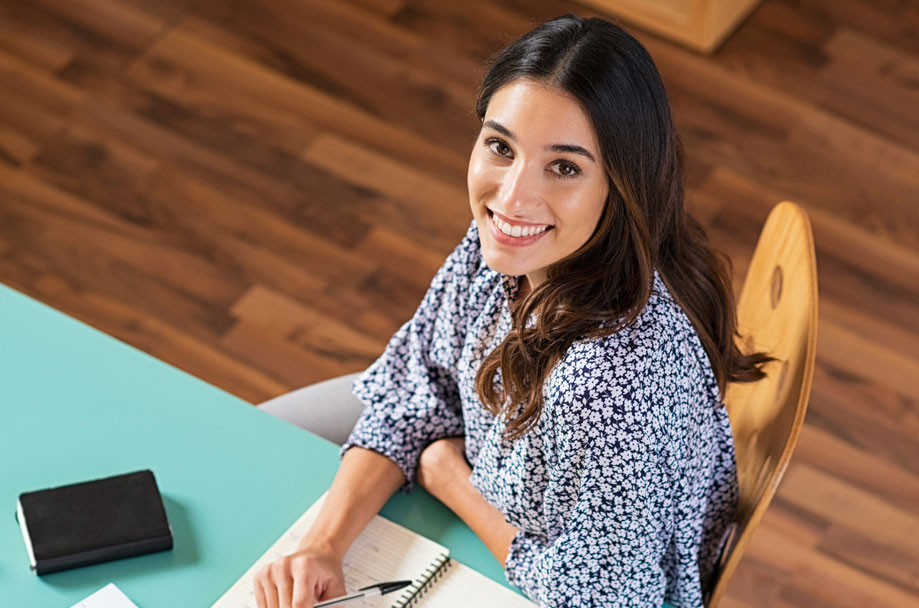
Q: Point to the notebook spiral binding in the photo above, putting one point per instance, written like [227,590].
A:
[435,571]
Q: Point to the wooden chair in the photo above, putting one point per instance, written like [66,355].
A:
[777,313]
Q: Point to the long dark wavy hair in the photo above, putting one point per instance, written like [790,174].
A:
[603,287]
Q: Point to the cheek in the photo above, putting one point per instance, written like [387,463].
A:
[598,207]
[474,174]
[482,177]
[584,213]
[597,202]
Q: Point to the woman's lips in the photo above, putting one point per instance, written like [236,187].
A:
[514,241]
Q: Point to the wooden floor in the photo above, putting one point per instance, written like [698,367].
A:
[260,192]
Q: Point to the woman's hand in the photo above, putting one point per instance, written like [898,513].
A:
[364,482]
[300,580]
[442,464]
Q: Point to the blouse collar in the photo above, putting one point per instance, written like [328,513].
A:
[511,286]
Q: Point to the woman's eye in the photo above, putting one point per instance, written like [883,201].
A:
[565,169]
[498,147]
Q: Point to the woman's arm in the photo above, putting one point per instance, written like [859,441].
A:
[444,472]
[364,482]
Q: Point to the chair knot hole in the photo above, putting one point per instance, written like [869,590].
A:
[776,292]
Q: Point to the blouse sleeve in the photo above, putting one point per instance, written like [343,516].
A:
[410,394]
[611,485]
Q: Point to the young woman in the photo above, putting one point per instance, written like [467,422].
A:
[559,387]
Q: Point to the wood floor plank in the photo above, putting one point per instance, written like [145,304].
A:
[15,148]
[893,21]
[473,28]
[430,210]
[858,467]
[386,8]
[304,326]
[56,31]
[36,86]
[401,252]
[757,583]
[419,51]
[313,199]
[903,341]
[851,507]
[895,566]
[299,260]
[190,71]
[50,55]
[824,581]
[97,168]
[886,80]
[65,235]
[119,22]
[206,163]
[27,127]
[878,363]
[287,363]
[429,103]
[867,415]
[71,222]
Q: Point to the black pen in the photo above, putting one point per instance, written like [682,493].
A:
[369,591]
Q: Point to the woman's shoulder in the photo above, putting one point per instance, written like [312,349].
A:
[643,362]
[658,328]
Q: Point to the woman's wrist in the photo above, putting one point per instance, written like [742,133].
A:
[321,544]
[364,482]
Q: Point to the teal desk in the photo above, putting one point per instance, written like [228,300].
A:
[76,404]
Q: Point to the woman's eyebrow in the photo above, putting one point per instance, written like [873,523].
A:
[497,126]
[571,148]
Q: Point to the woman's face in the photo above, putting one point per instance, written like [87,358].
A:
[537,185]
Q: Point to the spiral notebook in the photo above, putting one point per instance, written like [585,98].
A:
[386,551]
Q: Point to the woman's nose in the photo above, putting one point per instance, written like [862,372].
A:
[520,187]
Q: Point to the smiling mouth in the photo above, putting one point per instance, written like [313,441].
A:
[517,230]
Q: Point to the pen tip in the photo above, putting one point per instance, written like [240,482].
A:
[393,586]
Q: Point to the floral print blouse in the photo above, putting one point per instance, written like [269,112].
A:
[625,488]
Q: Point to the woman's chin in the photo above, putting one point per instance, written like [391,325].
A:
[500,263]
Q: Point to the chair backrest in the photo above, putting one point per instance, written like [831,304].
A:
[776,313]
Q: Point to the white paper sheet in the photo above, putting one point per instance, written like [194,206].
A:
[109,596]
[386,551]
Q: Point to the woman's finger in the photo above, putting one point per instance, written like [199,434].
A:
[303,594]
[270,588]
[259,593]
[284,583]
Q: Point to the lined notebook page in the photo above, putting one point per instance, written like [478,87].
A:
[462,587]
[384,551]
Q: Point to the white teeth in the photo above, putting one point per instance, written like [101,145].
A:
[531,230]
[517,231]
